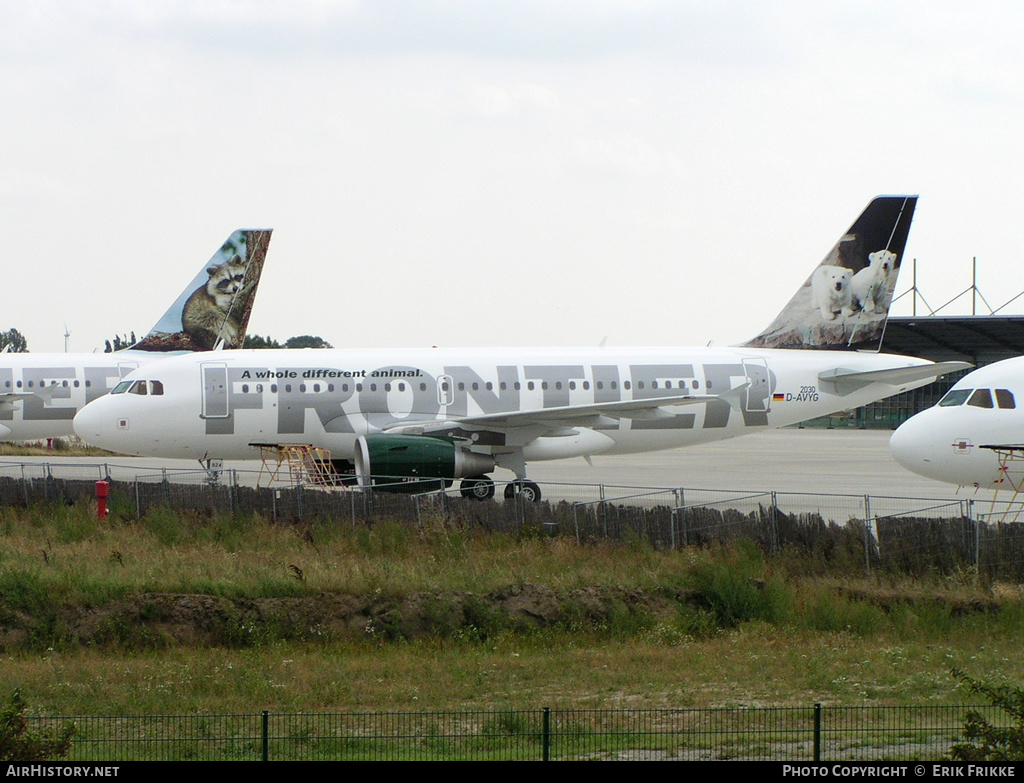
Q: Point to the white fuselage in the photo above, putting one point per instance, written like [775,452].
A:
[40,393]
[219,405]
[953,441]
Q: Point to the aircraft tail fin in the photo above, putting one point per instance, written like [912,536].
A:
[215,307]
[845,302]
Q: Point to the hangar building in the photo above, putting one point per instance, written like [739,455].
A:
[978,339]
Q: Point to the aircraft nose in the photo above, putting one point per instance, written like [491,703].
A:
[94,424]
[913,444]
[907,444]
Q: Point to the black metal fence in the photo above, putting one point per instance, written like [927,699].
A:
[814,733]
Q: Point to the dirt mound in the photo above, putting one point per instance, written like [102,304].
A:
[165,619]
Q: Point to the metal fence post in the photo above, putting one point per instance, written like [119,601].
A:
[547,734]
[976,524]
[138,500]
[266,736]
[677,502]
[869,523]
[603,514]
[817,732]
[773,522]
[682,517]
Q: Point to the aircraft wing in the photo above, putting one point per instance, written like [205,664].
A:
[524,426]
[842,381]
[44,393]
[7,400]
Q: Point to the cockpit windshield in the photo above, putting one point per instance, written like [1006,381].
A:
[955,397]
[979,398]
[139,387]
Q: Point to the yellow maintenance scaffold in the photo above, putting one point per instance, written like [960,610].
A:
[1011,466]
[305,465]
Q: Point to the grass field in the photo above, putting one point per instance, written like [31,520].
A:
[91,621]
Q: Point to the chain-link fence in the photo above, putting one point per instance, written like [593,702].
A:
[875,533]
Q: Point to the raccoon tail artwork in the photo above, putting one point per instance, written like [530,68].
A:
[822,314]
[247,246]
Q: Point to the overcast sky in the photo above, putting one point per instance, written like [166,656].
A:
[496,173]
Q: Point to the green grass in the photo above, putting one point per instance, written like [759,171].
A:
[745,630]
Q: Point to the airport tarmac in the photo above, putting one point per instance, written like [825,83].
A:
[851,462]
[847,462]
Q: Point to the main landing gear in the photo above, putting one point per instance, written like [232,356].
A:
[477,488]
[482,488]
[525,489]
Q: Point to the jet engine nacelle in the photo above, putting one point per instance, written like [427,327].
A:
[406,461]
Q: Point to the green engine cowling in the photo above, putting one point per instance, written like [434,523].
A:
[411,463]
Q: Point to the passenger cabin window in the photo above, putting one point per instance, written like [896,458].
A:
[955,397]
[1004,397]
[982,398]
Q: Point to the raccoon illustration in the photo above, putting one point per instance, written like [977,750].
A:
[213,310]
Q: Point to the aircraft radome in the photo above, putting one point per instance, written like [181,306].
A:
[974,436]
[40,393]
[461,413]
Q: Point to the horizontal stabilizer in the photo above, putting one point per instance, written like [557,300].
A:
[842,381]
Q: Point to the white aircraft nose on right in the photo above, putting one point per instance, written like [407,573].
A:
[946,444]
[913,445]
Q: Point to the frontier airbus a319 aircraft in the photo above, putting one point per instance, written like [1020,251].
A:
[40,393]
[974,436]
[461,413]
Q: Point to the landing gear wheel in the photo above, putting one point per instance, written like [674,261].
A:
[477,488]
[527,490]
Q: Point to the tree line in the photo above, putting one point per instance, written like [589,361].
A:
[13,341]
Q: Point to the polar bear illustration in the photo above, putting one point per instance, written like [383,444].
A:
[830,291]
[871,284]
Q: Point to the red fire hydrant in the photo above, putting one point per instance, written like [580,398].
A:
[102,493]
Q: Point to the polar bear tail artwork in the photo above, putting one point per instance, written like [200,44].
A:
[845,302]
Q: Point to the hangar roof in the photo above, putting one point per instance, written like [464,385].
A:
[979,339]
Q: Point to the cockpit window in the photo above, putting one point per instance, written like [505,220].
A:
[982,398]
[156,387]
[955,397]
[139,387]
[1005,398]
[121,388]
